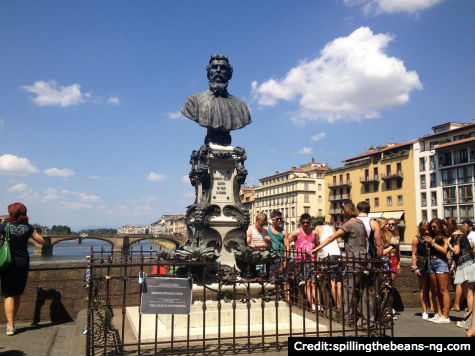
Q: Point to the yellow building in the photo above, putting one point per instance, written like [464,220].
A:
[294,192]
[247,196]
[385,178]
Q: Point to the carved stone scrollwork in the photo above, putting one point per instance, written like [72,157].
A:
[241,215]
[204,153]
[240,154]
[222,155]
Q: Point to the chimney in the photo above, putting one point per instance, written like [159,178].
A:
[313,159]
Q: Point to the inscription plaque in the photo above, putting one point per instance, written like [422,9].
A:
[222,190]
[162,295]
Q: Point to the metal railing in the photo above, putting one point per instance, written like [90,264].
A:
[232,311]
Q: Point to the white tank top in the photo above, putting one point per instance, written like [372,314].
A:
[258,238]
[332,248]
[366,222]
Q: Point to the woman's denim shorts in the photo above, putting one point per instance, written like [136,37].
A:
[438,265]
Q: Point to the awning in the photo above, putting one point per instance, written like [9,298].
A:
[393,214]
[376,215]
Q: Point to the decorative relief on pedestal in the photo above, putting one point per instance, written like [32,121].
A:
[217,174]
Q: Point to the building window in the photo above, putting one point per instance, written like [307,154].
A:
[449,196]
[376,202]
[466,212]
[375,186]
[432,162]
[399,183]
[305,186]
[423,199]
[320,187]
[306,210]
[399,200]
[389,201]
[366,187]
[375,170]
[293,212]
[319,198]
[389,184]
[388,169]
[423,181]
[434,213]
[422,164]
[433,198]
[448,176]
[320,212]
[433,180]
[306,198]
[424,215]
[398,168]
[465,194]
[445,159]
[347,178]
[450,211]
[462,156]
[464,174]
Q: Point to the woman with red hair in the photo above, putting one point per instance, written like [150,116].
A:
[14,277]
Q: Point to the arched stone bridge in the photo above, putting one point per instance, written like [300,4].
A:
[120,242]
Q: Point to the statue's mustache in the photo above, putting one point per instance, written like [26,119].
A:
[219,76]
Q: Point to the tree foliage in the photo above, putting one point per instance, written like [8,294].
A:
[60,229]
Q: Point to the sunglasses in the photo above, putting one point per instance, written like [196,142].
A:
[277,219]
[391,224]
[434,227]
[305,222]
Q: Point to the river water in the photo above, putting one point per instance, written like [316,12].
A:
[71,250]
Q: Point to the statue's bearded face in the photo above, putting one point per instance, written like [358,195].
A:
[218,76]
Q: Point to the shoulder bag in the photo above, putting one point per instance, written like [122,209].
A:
[5,253]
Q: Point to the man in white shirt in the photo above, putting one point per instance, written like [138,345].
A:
[375,243]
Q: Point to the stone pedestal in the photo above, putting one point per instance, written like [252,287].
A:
[217,218]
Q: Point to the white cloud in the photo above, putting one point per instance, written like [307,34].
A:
[75,205]
[49,95]
[175,115]
[24,192]
[19,188]
[113,100]
[306,150]
[319,136]
[86,197]
[13,165]
[155,177]
[67,195]
[98,178]
[392,6]
[185,179]
[352,79]
[55,172]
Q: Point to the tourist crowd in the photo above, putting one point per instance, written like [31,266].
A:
[442,253]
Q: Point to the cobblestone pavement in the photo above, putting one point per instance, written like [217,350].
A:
[46,339]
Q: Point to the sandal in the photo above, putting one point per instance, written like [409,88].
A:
[455,309]
[467,315]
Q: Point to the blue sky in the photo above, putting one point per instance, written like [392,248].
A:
[90,131]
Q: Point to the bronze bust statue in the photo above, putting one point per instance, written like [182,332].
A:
[215,108]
